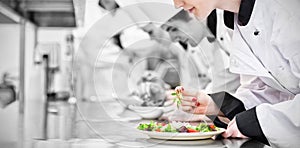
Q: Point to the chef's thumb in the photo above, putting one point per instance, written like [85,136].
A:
[189,92]
[227,133]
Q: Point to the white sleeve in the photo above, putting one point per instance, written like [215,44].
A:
[253,91]
[280,123]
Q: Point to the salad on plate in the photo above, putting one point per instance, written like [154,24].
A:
[177,127]
[179,130]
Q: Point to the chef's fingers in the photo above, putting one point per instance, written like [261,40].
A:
[186,108]
[231,122]
[227,133]
[189,92]
[189,99]
[238,134]
[199,95]
[188,103]
[199,110]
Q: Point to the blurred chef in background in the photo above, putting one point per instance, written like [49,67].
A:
[96,76]
[124,56]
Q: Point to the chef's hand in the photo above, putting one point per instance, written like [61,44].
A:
[173,114]
[196,102]
[233,131]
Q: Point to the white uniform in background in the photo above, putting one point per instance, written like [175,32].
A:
[102,63]
[195,69]
[208,68]
[90,56]
[267,55]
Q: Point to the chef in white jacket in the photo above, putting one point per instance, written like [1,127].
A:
[267,56]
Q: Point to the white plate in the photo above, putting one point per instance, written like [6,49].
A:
[182,136]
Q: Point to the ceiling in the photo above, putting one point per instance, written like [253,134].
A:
[45,13]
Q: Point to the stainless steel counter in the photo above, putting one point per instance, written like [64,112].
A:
[96,127]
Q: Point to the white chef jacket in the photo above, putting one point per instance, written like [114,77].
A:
[267,55]
[209,64]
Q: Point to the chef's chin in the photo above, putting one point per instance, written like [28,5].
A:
[201,19]
[201,16]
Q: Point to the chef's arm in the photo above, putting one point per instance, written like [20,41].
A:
[228,107]
[245,97]
[249,126]
[277,124]
[231,107]
[254,91]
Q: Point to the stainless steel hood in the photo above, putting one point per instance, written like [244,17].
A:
[44,13]
[8,15]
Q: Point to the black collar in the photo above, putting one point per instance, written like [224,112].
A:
[244,14]
[245,11]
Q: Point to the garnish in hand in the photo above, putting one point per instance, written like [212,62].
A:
[178,94]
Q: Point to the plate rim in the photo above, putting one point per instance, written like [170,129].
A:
[181,136]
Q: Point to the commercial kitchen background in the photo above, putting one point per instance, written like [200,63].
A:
[26,26]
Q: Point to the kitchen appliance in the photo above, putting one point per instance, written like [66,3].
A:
[7,92]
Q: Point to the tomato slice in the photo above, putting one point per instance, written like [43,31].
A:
[212,127]
[158,130]
[191,130]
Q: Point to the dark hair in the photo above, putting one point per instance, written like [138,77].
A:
[100,4]
[181,15]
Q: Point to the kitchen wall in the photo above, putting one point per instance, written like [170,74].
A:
[34,81]
[9,62]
